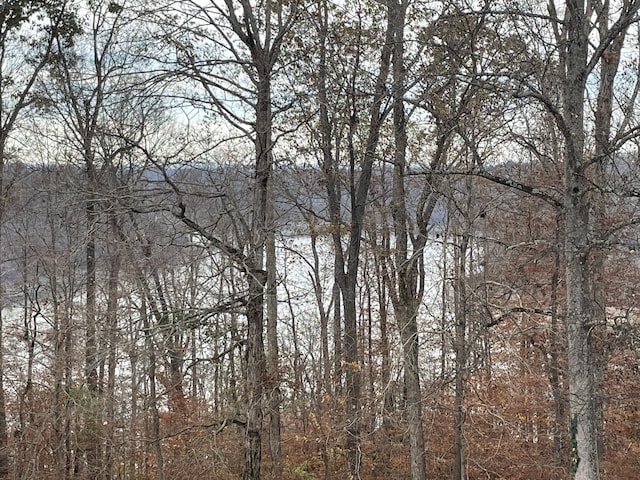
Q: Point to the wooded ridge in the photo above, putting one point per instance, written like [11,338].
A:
[313,240]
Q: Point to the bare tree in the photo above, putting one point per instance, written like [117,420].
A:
[583,204]
[251,37]
[17,79]
[558,81]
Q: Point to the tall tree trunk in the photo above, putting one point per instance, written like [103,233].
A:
[385,367]
[152,404]
[132,447]
[257,277]
[330,172]
[460,348]
[4,437]
[273,365]
[352,377]
[59,410]
[93,423]
[324,382]
[408,269]
[337,337]
[254,377]
[582,358]
[112,336]
[584,211]
[609,65]
[557,390]
[25,407]
[61,372]
[381,274]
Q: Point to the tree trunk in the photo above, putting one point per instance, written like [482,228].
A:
[273,366]
[609,65]
[26,411]
[385,367]
[352,378]
[93,424]
[152,405]
[4,438]
[582,358]
[59,410]
[460,348]
[337,339]
[254,377]
[557,390]
[330,172]
[112,335]
[409,273]
[132,447]
[63,462]
[316,281]
[257,277]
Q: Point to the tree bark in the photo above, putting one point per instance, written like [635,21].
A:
[152,405]
[4,437]
[273,364]
[553,362]
[460,349]
[316,280]
[112,335]
[93,425]
[409,272]
[609,65]
[582,358]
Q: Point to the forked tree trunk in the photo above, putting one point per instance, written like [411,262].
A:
[330,172]
[348,261]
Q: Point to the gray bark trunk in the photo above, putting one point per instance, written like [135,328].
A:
[263,38]
[609,65]
[579,318]
[330,169]
[112,335]
[273,365]
[93,422]
[152,405]
[584,357]
[554,368]
[4,437]
[409,274]
[460,348]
